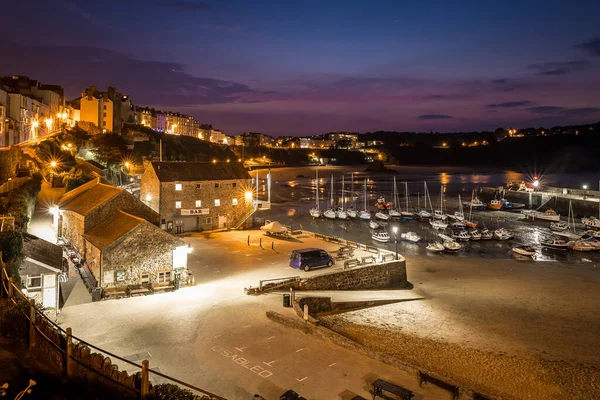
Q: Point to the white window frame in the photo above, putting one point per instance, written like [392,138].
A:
[217,202]
[145,280]
[198,203]
[234,202]
[164,276]
[29,282]
[177,204]
[178,187]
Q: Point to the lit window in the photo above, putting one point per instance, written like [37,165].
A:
[34,282]
[120,275]
[217,203]
[164,276]
[177,204]
[178,187]
[198,203]
[198,186]
[234,202]
[145,278]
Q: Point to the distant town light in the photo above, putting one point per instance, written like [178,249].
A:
[53,164]
[248,195]
[49,123]
[228,160]
[214,161]
[126,164]
[585,187]
[536,184]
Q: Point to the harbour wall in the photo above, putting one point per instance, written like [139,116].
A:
[554,200]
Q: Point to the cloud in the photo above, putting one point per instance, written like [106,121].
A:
[148,82]
[500,81]
[435,116]
[592,46]
[564,111]
[509,104]
[186,5]
[558,67]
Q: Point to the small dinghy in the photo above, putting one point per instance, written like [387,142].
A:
[502,234]
[559,226]
[438,224]
[435,247]
[452,246]
[411,237]
[524,250]
[373,225]
[381,236]
[556,244]
[382,216]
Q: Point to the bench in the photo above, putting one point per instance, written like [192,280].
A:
[388,257]
[368,260]
[345,252]
[114,292]
[380,386]
[137,289]
[158,286]
[423,377]
[351,263]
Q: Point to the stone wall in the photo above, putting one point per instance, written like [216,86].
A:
[72,229]
[123,201]
[145,250]
[150,188]
[388,275]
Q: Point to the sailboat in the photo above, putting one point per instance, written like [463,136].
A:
[352,211]
[458,217]
[423,214]
[315,212]
[341,212]
[469,223]
[406,214]
[330,212]
[365,214]
[439,214]
[570,231]
[394,212]
[592,222]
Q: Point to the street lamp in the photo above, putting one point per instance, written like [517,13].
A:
[395,230]
[53,164]
[585,187]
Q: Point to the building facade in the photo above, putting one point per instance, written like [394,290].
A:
[194,196]
[103,109]
[113,256]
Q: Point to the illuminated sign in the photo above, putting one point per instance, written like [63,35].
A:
[194,211]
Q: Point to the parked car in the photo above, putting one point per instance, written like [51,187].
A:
[308,259]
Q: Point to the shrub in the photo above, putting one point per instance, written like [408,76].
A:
[13,323]
[168,391]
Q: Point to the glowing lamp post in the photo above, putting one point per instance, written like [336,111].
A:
[395,230]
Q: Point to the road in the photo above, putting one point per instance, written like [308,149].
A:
[40,224]
[214,336]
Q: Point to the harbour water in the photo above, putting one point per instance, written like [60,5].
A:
[293,194]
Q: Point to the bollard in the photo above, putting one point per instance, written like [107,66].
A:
[260,243]
[69,354]
[31,323]
[306,312]
[145,380]
[292,295]
[273,246]
[248,240]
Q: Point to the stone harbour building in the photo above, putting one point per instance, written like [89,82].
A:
[195,196]
[127,250]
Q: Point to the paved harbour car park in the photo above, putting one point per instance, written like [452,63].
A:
[214,336]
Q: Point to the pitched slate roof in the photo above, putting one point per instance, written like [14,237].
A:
[112,229]
[87,197]
[41,251]
[199,171]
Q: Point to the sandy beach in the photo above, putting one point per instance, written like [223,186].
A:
[513,328]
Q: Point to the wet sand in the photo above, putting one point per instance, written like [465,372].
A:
[517,329]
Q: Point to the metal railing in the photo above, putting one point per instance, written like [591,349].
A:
[69,348]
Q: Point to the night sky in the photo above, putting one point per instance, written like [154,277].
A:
[306,67]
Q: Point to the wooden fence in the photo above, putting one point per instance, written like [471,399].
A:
[13,184]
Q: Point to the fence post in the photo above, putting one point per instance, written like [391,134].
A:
[145,380]
[10,287]
[69,354]
[31,323]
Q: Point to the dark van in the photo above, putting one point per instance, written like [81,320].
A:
[308,259]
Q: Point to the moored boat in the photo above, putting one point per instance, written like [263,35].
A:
[559,226]
[556,244]
[524,250]
[341,214]
[351,213]
[592,233]
[438,224]
[452,246]
[591,222]
[475,234]
[503,234]
[584,245]
[458,225]
[435,247]
[411,237]
[373,225]
[510,206]
[382,216]
[330,214]
[381,236]
[486,234]
[494,205]
[315,212]
[463,236]
[548,215]
[475,204]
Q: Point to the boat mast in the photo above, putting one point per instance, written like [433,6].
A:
[343,195]
[395,196]
[365,197]
[317,196]
[331,191]
[352,191]
[406,194]
[471,206]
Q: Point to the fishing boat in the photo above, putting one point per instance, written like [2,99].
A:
[411,237]
[351,211]
[422,213]
[475,235]
[341,212]
[591,222]
[438,224]
[315,212]
[406,214]
[486,234]
[458,225]
[365,214]
[584,245]
[463,236]
[382,216]
[524,250]
[548,215]
[394,212]
[570,232]
[435,247]
[381,236]
[592,233]
[373,225]
[382,204]
[510,206]
[556,244]
[330,212]
[475,204]
[559,226]
[452,246]
[503,234]
[494,205]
